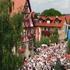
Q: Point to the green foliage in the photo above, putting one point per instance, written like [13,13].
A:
[68,47]
[5,5]
[51,12]
[37,44]
[45,40]
[11,28]
[55,36]
[10,61]
[10,32]
[16,23]
[54,39]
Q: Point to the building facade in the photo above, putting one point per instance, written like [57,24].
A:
[46,25]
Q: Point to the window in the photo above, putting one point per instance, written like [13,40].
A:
[57,21]
[45,29]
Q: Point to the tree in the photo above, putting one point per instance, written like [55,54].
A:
[3,8]
[10,32]
[51,12]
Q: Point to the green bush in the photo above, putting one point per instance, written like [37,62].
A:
[45,40]
[54,39]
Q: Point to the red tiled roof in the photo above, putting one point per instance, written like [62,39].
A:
[52,24]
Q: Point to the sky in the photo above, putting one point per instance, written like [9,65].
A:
[62,5]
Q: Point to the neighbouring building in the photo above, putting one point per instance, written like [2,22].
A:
[67,18]
[45,25]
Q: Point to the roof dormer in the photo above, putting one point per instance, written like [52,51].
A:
[48,20]
[57,20]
